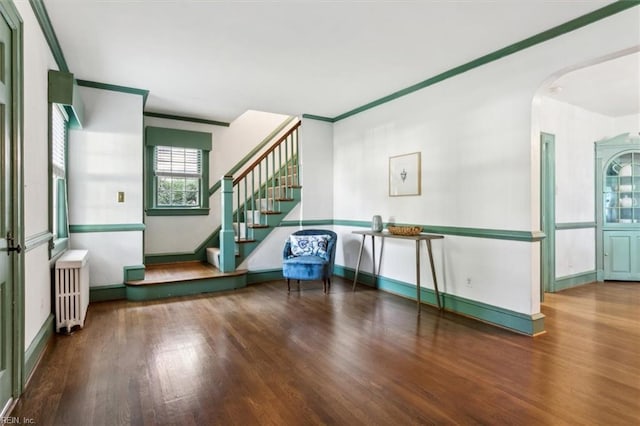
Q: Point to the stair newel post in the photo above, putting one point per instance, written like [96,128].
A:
[227,239]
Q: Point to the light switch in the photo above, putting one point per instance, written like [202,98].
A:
[121,197]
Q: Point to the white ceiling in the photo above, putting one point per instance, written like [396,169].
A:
[215,60]
[611,88]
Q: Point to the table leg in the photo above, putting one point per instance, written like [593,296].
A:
[381,251]
[373,260]
[355,279]
[418,274]
[433,273]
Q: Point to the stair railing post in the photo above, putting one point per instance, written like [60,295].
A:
[227,238]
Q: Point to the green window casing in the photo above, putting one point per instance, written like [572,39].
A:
[177,172]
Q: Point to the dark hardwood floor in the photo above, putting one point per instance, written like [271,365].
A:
[262,356]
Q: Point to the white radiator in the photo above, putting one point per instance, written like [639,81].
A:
[71,289]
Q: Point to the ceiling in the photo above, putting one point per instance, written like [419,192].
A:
[611,87]
[214,60]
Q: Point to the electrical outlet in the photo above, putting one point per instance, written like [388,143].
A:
[121,197]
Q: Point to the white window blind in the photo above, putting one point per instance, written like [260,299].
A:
[59,125]
[178,162]
[178,174]
[58,140]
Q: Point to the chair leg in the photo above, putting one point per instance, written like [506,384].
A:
[324,286]
[288,286]
[328,284]
[298,285]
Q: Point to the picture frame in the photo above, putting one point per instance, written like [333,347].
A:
[405,175]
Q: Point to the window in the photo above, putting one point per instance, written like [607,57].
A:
[59,128]
[178,175]
[177,172]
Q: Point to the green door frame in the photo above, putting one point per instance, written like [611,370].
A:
[11,15]
[547,212]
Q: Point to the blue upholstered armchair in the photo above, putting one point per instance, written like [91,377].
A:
[309,255]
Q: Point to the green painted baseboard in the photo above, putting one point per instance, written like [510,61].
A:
[36,348]
[515,321]
[107,292]
[574,280]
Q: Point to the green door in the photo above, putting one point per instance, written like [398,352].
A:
[6,220]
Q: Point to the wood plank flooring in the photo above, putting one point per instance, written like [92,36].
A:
[262,356]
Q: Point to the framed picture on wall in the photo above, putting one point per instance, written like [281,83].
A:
[404,175]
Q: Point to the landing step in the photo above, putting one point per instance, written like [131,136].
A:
[180,272]
[183,279]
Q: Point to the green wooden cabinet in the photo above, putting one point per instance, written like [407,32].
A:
[618,208]
[621,254]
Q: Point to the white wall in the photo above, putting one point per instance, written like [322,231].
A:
[37,61]
[230,145]
[105,157]
[480,163]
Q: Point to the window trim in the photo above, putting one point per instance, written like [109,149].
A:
[158,136]
[59,242]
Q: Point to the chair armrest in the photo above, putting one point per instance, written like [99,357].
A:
[286,251]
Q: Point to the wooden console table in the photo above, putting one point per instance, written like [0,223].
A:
[417,238]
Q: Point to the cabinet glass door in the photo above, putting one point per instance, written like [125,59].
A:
[621,189]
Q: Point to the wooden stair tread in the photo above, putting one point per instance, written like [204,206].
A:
[257,226]
[284,199]
[270,212]
[245,240]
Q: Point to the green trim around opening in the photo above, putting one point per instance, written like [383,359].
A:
[38,345]
[108,227]
[11,15]
[185,118]
[547,212]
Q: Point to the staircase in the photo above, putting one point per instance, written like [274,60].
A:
[256,201]
[253,204]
